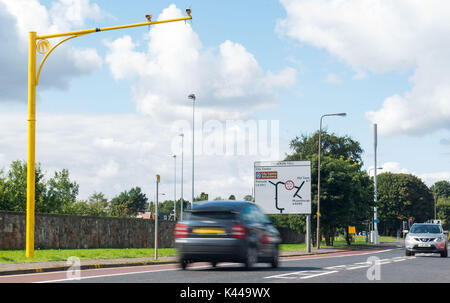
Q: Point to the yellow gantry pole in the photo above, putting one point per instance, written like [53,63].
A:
[32,83]
[31,144]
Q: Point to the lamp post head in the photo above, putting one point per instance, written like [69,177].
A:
[181,135]
[191,96]
[342,114]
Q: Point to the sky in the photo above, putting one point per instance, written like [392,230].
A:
[111,105]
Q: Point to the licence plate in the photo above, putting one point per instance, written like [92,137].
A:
[424,245]
[208,230]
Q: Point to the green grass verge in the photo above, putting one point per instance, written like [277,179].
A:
[43,255]
[18,256]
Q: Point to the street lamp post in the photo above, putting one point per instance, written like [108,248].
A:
[318,177]
[182,156]
[192,97]
[41,45]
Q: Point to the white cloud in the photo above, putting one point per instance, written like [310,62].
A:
[18,18]
[396,168]
[227,80]
[385,36]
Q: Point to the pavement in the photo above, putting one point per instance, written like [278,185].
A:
[52,266]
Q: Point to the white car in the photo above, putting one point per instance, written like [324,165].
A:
[426,238]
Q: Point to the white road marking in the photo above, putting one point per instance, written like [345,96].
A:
[321,274]
[306,274]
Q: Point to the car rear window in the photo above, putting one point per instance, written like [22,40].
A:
[211,215]
[425,229]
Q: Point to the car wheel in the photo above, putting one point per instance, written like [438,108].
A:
[444,254]
[274,262]
[407,253]
[183,264]
[251,257]
[214,264]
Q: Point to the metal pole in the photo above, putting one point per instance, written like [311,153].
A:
[318,238]
[182,183]
[31,145]
[375,215]
[175,188]
[156,217]
[192,96]
[308,233]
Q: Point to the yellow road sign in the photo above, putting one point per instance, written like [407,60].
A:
[351,230]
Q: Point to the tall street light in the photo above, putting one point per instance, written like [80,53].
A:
[182,183]
[39,43]
[192,97]
[318,176]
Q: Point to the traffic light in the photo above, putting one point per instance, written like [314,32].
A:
[410,222]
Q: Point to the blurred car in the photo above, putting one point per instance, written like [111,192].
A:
[426,238]
[227,231]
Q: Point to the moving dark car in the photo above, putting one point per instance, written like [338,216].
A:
[227,231]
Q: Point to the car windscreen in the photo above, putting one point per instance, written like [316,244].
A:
[425,229]
[211,215]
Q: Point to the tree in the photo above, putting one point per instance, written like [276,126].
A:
[441,193]
[401,197]
[443,211]
[13,187]
[61,194]
[128,203]
[346,197]
[231,197]
[441,189]
[332,146]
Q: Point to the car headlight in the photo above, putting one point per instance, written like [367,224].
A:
[440,239]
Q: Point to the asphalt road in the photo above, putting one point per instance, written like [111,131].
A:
[385,266]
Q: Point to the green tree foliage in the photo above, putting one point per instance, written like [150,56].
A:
[232,197]
[61,194]
[305,147]
[401,197]
[346,191]
[443,211]
[53,196]
[128,203]
[96,205]
[441,189]
[441,193]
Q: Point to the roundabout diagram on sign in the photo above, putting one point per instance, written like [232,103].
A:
[289,185]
